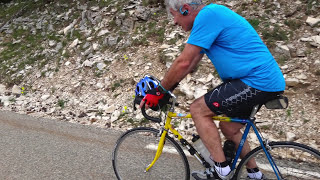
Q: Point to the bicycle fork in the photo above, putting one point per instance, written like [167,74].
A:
[163,134]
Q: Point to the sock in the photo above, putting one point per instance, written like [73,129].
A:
[222,168]
[254,173]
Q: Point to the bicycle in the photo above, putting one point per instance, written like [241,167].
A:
[154,152]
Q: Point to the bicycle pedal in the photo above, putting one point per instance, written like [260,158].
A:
[196,176]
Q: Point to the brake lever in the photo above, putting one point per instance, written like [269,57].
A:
[137,100]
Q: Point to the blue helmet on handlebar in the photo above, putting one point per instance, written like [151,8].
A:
[147,83]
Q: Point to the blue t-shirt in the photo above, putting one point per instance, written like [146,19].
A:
[235,48]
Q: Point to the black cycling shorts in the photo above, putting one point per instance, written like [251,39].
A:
[236,99]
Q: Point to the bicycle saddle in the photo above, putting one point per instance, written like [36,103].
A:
[281,102]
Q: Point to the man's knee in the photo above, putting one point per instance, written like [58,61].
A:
[194,107]
[199,107]
[194,110]
[199,110]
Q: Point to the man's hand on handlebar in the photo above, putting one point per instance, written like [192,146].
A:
[152,98]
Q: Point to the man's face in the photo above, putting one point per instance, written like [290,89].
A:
[186,22]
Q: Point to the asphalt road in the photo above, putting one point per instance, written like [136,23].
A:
[37,148]
[45,149]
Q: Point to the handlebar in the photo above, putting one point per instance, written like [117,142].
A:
[154,119]
[138,99]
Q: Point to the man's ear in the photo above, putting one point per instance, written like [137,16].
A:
[187,7]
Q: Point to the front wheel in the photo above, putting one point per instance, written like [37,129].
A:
[294,161]
[135,150]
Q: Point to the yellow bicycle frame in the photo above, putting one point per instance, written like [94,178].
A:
[168,126]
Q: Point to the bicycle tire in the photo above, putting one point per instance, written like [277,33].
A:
[135,150]
[294,160]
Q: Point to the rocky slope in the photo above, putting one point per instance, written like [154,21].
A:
[79,61]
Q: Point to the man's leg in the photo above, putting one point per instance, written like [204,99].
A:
[232,132]
[208,131]
[235,99]
[206,128]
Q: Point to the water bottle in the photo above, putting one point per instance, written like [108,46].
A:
[201,148]
[229,149]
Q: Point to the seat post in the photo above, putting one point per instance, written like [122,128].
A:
[254,111]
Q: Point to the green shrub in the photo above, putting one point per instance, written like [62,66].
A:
[293,24]
[254,23]
[282,60]
[271,36]
[61,103]
[310,7]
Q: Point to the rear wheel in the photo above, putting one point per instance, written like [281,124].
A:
[294,161]
[135,150]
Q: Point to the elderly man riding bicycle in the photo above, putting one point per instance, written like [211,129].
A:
[249,73]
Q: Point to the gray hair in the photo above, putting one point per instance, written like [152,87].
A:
[176,4]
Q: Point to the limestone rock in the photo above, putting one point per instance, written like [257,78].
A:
[74,43]
[316,39]
[293,82]
[103,32]
[185,88]
[45,97]
[283,50]
[302,77]
[142,13]
[2,89]
[110,109]
[16,90]
[88,63]
[200,91]
[290,136]
[312,21]
[101,66]
[52,43]
[115,115]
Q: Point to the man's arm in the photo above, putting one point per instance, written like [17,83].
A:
[183,65]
